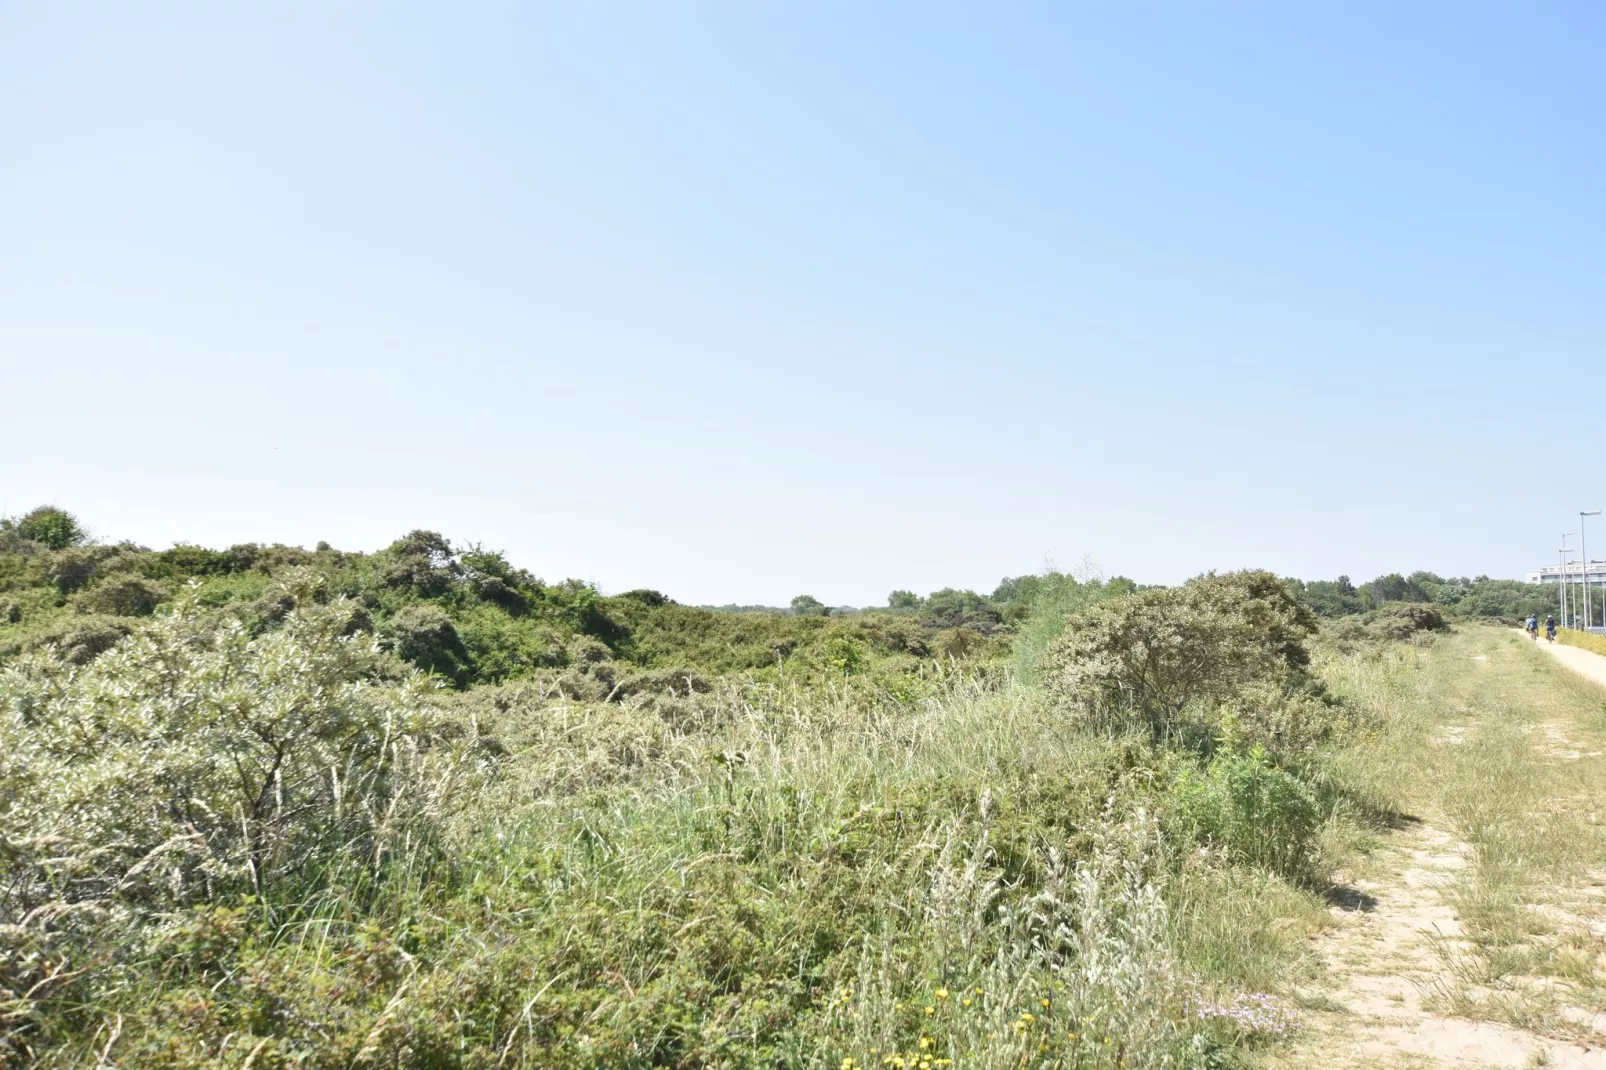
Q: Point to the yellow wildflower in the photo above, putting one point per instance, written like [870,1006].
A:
[942,993]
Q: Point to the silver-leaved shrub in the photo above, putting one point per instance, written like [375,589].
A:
[195,759]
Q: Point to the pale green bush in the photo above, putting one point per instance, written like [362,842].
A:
[193,758]
[1141,659]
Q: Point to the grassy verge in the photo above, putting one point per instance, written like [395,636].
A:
[1590,641]
[1502,748]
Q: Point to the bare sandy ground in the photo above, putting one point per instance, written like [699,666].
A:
[1390,951]
[1385,957]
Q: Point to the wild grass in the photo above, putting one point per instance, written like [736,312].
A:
[1501,748]
[1577,637]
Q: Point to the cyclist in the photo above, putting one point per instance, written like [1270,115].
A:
[1532,626]
[1550,629]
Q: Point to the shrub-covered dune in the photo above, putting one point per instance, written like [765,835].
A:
[325,815]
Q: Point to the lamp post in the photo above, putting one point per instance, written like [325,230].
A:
[1562,579]
[1583,552]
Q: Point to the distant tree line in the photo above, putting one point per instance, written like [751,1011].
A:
[1456,596]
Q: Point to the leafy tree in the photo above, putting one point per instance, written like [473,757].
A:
[123,596]
[1393,588]
[424,561]
[903,600]
[1331,598]
[50,527]
[950,607]
[806,605]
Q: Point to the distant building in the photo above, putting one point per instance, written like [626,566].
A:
[1575,573]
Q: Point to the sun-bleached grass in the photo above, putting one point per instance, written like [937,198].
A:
[1501,748]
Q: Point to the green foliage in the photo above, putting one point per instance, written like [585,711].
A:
[1330,598]
[1394,622]
[1043,604]
[52,528]
[1393,588]
[425,635]
[243,831]
[122,596]
[1457,597]
[1141,659]
[1258,814]
[189,760]
[806,605]
[1402,620]
[75,639]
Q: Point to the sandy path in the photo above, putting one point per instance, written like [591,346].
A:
[1583,662]
[1393,947]
[1381,961]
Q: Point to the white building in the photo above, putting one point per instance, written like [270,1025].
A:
[1595,576]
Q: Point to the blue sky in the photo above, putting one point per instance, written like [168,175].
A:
[738,301]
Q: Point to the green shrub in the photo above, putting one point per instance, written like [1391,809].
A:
[1402,620]
[216,759]
[1142,658]
[423,561]
[52,528]
[75,639]
[121,596]
[1044,603]
[424,635]
[72,568]
[505,647]
[1256,813]
[806,605]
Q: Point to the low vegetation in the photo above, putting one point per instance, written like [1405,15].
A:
[1591,641]
[278,807]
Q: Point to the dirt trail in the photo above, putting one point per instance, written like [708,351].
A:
[1390,958]
[1381,957]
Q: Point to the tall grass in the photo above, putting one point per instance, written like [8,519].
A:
[762,875]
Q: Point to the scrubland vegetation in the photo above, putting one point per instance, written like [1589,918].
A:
[273,807]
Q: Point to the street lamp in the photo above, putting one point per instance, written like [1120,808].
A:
[1583,552]
[1562,580]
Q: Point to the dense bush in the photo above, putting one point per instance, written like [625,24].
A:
[1259,814]
[192,759]
[1142,658]
[425,635]
[52,528]
[122,596]
[76,639]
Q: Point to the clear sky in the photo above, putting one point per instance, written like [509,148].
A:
[742,300]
